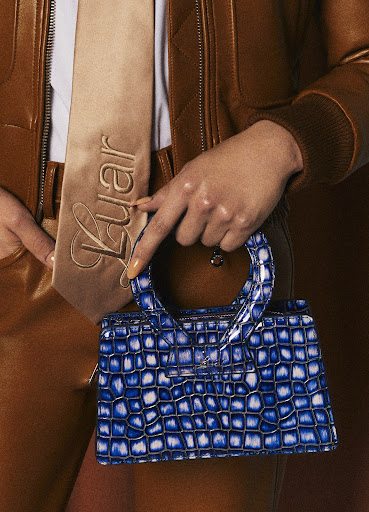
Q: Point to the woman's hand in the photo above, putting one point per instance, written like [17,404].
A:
[17,227]
[225,193]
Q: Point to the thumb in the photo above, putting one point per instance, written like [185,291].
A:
[34,238]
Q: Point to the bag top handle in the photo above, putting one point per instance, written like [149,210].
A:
[253,300]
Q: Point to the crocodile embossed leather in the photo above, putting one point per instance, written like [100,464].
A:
[243,379]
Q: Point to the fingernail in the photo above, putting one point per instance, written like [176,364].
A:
[135,267]
[50,259]
[143,200]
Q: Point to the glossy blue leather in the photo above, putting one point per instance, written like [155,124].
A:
[236,380]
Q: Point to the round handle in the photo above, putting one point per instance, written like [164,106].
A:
[252,298]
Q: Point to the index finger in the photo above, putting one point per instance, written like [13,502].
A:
[157,230]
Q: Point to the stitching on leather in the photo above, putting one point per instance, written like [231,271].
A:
[237,70]
[13,258]
[236,66]
[210,78]
[15,44]
[212,43]
[189,137]
[176,121]
[216,76]
[184,21]
[233,30]
[48,208]
[184,53]
[179,128]
[15,126]
[49,192]
[186,107]
[164,163]
[169,167]
[170,47]
[32,159]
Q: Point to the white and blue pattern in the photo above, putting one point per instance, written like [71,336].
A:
[235,380]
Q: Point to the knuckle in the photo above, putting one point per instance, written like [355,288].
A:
[41,246]
[205,203]
[159,225]
[225,215]
[189,187]
[243,222]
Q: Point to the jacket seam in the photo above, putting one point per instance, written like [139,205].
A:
[216,76]
[171,101]
[184,53]
[181,114]
[32,162]
[212,67]
[15,47]
[9,125]
[184,21]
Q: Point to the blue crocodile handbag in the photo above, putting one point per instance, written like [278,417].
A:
[242,379]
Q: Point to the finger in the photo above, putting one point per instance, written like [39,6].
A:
[39,243]
[157,230]
[204,219]
[213,234]
[152,203]
[190,229]
[194,222]
[217,226]
[232,240]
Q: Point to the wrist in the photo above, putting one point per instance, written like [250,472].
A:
[283,145]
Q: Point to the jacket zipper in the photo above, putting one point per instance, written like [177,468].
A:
[47,107]
[201,76]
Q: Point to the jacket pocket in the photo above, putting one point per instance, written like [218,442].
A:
[262,67]
[8,29]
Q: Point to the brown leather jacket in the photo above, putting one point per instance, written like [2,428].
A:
[232,62]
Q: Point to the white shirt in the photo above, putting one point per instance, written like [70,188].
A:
[62,73]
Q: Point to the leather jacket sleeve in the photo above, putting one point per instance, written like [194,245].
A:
[330,117]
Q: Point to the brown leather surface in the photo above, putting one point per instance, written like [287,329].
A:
[52,189]
[239,76]
[21,96]
[48,410]
[215,485]
[250,58]
[338,481]
[177,268]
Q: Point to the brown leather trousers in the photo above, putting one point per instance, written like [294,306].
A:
[47,409]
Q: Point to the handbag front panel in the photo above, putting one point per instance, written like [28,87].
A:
[279,403]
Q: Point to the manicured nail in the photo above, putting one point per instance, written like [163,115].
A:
[50,259]
[143,200]
[135,267]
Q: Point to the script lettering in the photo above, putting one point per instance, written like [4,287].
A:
[104,232]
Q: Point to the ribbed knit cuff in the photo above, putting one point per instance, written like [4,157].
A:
[324,135]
